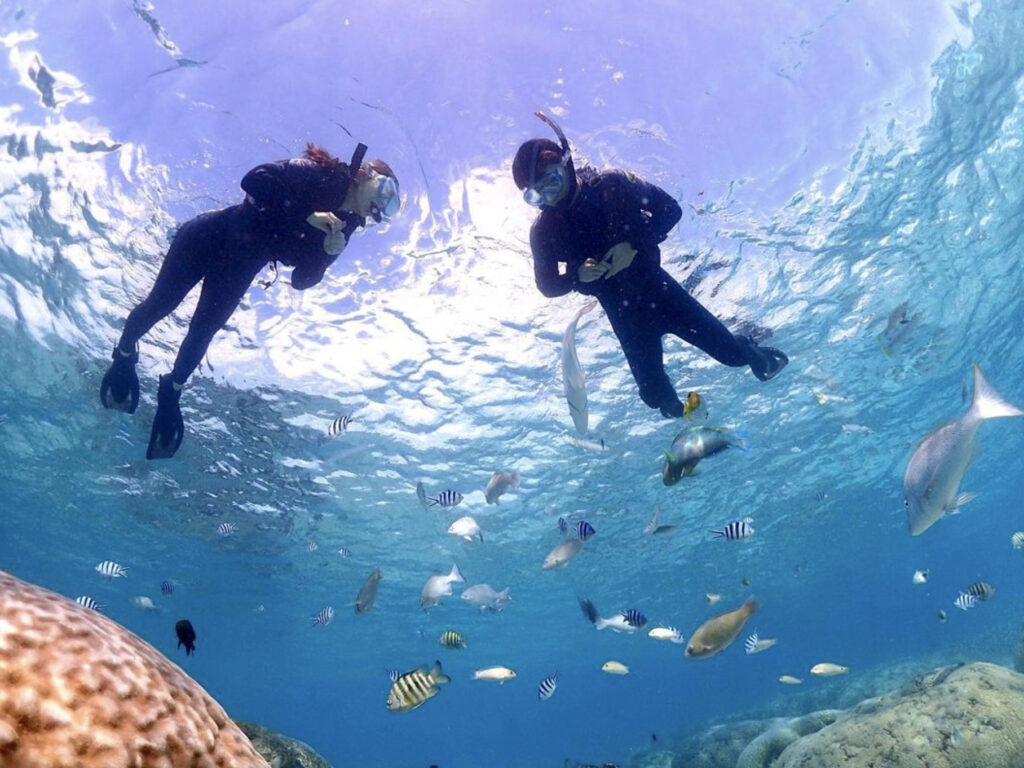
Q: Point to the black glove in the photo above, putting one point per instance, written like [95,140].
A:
[168,426]
[120,386]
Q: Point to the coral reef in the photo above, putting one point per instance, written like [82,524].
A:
[957,716]
[281,751]
[78,690]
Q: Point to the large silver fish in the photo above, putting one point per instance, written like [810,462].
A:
[484,597]
[562,554]
[572,374]
[368,592]
[941,459]
[694,444]
[438,586]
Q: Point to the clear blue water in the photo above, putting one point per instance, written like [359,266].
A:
[833,160]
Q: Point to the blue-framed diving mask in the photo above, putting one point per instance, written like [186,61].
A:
[548,188]
[385,201]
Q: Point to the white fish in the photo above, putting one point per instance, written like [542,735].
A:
[666,633]
[591,445]
[111,570]
[501,482]
[467,528]
[144,603]
[940,460]
[613,667]
[562,554]
[920,577]
[438,586]
[1017,540]
[710,598]
[790,680]
[653,528]
[494,674]
[827,669]
[485,598]
[572,374]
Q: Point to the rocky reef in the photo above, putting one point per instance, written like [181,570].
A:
[77,690]
[958,716]
[281,751]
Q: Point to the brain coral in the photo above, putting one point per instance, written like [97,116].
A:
[78,690]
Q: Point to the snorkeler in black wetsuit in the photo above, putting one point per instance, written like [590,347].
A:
[300,212]
[606,228]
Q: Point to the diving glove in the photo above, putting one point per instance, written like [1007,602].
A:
[119,389]
[168,426]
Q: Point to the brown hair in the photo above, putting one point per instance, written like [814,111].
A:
[377,166]
[320,156]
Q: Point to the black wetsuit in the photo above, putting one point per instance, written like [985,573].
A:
[226,249]
[643,302]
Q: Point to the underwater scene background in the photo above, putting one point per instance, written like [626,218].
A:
[840,164]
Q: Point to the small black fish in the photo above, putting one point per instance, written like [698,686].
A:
[186,636]
[166,587]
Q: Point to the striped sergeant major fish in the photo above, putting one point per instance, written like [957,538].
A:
[547,686]
[581,530]
[754,644]
[980,590]
[572,374]
[111,570]
[339,425]
[410,690]
[736,530]
[323,617]
[965,601]
[227,529]
[166,587]
[87,602]
[447,498]
[452,640]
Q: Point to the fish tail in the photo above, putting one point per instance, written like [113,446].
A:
[456,574]
[437,677]
[719,534]
[987,403]
[740,439]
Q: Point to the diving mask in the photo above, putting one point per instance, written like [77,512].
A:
[548,188]
[385,202]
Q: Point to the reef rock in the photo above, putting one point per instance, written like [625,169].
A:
[78,690]
[281,751]
[954,717]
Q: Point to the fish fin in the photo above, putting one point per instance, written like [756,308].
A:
[669,455]
[987,403]
[456,575]
[690,471]
[481,534]
[719,534]
[959,501]
[741,440]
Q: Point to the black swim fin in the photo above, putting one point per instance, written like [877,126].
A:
[168,425]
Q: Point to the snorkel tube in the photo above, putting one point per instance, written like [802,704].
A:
[570,170]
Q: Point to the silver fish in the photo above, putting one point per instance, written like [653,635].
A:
[439,585]
[501,482]
[562,554]
[485,598]
[694,444]
[572,374]
[940,460]
[368,592]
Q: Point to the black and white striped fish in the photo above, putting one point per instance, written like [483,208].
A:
[634,618]
[981,590]
[413,688]
[166,587]
[339,425]
[581,530]
[345,552]
[547,686]
[226,529]
[448,498]
[452,640]
[736,530]
[324,617]
[965,601]
[111,570]
[87,602]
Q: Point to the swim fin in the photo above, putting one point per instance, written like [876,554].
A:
[119,389]
[168,425]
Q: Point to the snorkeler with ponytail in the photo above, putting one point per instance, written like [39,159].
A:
[606,228]
[301,212]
